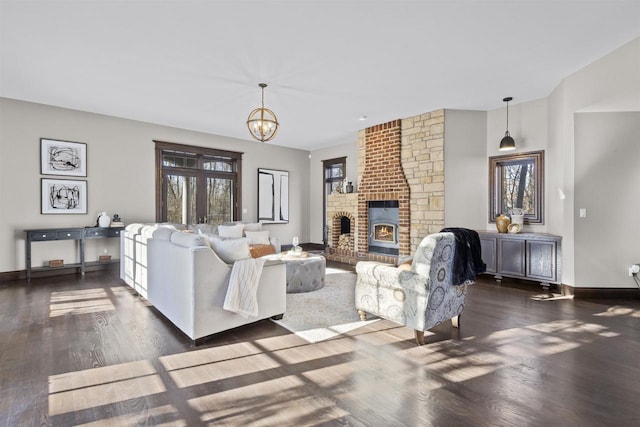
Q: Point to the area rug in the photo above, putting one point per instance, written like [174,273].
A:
[326,313]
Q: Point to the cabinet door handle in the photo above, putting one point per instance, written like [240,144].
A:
[68,234]
[44,235]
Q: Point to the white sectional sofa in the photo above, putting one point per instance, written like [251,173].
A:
[186,281]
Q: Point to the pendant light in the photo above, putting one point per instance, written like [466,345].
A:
[262,122]
[507,142]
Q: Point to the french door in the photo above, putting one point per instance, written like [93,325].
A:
[213,204]
[196,185]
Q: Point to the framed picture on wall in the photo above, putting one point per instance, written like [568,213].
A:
[273,196]
[63,196]
[63,157]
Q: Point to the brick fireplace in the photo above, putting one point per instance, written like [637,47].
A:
[383,180]
[400,161]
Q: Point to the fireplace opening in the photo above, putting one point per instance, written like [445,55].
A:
[384,216]
[345,225]
[384,233]
[342,233]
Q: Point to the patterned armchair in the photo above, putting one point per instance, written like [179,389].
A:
[419,299]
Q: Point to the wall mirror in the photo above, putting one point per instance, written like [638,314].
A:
[273,196]
[516,181]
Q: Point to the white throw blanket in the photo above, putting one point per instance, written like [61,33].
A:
[242,292]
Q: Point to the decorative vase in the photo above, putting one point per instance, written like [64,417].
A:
[349,187]
[502,223]
[103,220]
[517,219]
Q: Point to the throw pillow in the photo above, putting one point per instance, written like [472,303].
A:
[258,237]
[261,250]
[231,250]
[230,231]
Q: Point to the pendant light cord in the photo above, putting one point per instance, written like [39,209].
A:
[507,99]
[507,116]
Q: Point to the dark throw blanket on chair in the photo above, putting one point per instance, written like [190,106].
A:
[468,260]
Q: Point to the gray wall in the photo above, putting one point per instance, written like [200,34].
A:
[121,176]
[607,178]
[528,127]
[610,84]
[465,170]
[316,180]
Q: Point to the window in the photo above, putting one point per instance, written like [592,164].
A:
[334,173]
[516,182]
[196,184]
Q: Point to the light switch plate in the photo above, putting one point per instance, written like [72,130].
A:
[583,212]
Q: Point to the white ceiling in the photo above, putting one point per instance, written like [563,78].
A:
[197,64]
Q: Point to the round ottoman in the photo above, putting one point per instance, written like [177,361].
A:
[305,274]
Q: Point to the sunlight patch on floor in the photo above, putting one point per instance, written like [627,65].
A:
[76,391]
[459,361]
[161,416]
[618,310]
[221,370]
[84,301]
[207,356]
[331,270]
[551,297]
[82,294]
[258,405]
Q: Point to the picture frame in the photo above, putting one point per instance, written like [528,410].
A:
[63,196]
[273,196]
[63,158]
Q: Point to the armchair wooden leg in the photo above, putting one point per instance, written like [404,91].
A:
[362,314]
[419,337]
[455,321]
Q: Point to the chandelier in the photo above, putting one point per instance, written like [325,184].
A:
[262,123]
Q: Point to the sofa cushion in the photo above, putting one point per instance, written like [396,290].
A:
[173,225]
[253,226]
[231,250]
[231,231]
[135,227]
[206,228]
[148,230]
[186,240]
[258,237]
[161,233]
[209,239]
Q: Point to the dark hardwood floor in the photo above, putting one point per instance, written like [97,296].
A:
[87,351]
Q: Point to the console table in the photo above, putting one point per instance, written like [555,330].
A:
[79,234]
[532,256]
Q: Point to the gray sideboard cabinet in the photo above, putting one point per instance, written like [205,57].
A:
[530,256]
